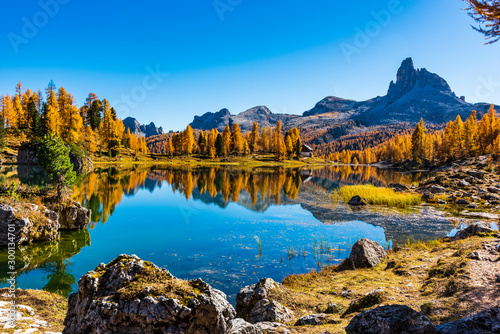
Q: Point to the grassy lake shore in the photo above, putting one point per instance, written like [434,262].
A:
[436,278]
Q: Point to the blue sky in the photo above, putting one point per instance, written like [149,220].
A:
[238,54]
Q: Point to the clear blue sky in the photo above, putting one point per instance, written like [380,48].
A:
[238,54]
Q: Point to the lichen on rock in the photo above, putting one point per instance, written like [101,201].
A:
[130,295]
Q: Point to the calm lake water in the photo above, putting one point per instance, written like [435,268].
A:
[228,226]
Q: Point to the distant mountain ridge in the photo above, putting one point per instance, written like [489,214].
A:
[141,130]
[416,93]
[259,114]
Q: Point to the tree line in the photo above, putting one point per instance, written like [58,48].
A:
[94,126]
[230,142]
[458,140]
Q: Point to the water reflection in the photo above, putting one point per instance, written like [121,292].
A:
[204,222]
[257,189]
[51,258]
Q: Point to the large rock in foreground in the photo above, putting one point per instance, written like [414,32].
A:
[366,254]
[16,229]
[27,223]
[487,321]
[253,303]
[390,319]
[130,295]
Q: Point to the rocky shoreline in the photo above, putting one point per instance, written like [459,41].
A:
[450,286]
[22,223]
[473,184]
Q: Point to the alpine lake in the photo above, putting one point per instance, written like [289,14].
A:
[229,226]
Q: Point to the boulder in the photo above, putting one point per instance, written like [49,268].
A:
[435,189]
[390,319]
[18,230]
[494,190]
[240,326]
[81,163]
[130,295]
[254,305]
[463,183]
[475,256]
[366,254]
[268,327]
[473,229]
[312,320]
[26,155]
[487,321]
[269,310]
[357,200]
[399,187]
[462,201]
[477,174]
[490,197]
[73,216]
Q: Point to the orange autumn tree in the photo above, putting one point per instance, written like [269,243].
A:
[458,140]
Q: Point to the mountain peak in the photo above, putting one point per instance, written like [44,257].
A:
[140,129]
[408,78]
[259,110]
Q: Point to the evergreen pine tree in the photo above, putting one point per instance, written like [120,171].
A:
[35,125]
[53,157]
[219,146]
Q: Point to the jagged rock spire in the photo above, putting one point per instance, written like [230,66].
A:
[408,78]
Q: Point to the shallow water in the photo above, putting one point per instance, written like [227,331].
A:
[209,223]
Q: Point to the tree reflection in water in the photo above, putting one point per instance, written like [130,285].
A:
[53,258]
[103,189]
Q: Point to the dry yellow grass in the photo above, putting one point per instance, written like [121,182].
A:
[48,306]
[377,196]
[423,275]
[159,284]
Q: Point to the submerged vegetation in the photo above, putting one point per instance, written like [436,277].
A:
[259,243]
[376,196]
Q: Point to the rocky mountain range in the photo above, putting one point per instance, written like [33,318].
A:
[416,93]
[140,130]
[259,114]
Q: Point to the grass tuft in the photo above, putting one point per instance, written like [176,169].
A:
[259,242]
[378,196]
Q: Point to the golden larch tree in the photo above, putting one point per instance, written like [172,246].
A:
[226,138]
[254,139]
[236,139]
